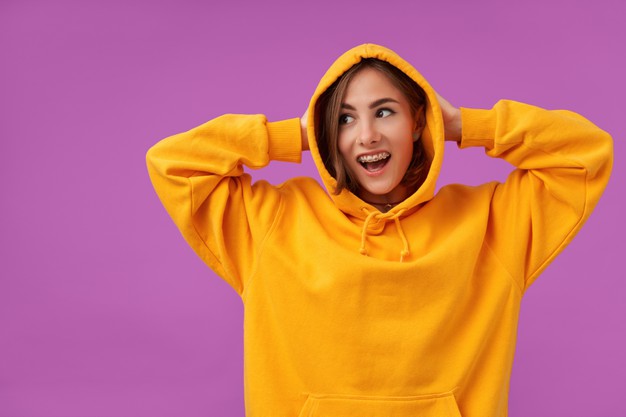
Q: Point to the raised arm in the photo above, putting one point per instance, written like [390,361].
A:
[200,180]
[563,164]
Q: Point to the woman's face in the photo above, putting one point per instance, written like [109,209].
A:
[376,127]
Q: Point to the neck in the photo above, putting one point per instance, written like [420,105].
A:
[384,207]
[385,202]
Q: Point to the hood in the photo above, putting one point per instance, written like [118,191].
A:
[432,135]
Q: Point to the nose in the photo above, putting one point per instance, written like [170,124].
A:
[367,134]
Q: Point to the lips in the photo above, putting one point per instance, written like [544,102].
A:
[374,162]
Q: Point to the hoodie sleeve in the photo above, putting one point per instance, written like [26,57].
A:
[200,180]
[563,165]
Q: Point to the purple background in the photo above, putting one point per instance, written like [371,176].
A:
[105,311]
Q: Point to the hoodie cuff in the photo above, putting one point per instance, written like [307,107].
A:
[284,139]
[478,128]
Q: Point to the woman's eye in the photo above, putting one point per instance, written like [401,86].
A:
[383,113]
[345,119]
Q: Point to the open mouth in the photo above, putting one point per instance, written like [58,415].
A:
[375,162]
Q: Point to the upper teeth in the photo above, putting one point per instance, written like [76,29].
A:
[373,158]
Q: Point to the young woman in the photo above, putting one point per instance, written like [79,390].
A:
[374,296]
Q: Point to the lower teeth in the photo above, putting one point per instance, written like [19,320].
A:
[375,166]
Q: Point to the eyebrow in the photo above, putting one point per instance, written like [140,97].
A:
[373,105]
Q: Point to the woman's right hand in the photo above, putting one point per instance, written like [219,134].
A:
[303,133]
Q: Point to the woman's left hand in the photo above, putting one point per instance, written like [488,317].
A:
[451,119]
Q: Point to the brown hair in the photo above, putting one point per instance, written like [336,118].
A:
[327,111]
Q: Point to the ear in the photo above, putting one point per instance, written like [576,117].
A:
[420,122]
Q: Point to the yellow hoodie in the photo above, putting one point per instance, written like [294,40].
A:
[336,325]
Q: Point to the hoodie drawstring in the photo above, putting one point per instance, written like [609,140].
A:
[405,243]
[384,216]
[370,216]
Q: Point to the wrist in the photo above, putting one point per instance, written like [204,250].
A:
[304,137]
[454,127]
